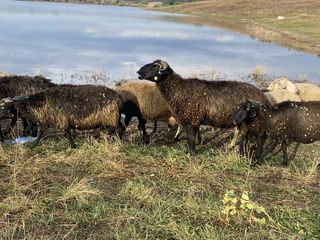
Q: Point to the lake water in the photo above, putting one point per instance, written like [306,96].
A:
[91,43]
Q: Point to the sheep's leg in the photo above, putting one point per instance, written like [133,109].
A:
[269,148]
[242,144]
[142,127]
[120,129]
[295,151]
[178,133]
[127,119]
[40,131]
[155,126]
[191,131]
[1,135]
[261,139]
[285,160]
[234,139]
[69,137]
[199,137]
[28,128]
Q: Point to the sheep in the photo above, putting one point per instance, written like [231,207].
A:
[284,123]
[281,95]
[6,74]
[144,101]
[12,85]
[68,107]
[197,102]
[305,91]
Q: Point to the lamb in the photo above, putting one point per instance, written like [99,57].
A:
[67,107]
[285,123]
[195,102]
[144,101]
[305,91]
[12,85]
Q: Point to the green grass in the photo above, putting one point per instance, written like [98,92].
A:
[123,190]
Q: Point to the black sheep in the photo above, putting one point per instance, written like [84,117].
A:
[282,124]
[11,86]
[68,107]
[195,102]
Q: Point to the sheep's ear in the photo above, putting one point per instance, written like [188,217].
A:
[291,87]
[271,86]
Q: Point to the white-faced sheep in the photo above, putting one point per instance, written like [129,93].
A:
[144,101]
[285,123]
[68,107]
[305,91]
[197,102]
[281,95]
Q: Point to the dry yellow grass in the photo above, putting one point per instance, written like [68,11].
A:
[107,189]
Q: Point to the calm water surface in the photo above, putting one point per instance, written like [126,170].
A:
[85,43]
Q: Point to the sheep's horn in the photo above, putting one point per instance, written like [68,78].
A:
[162,64]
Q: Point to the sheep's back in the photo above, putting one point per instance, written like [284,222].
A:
[281,95]
[297,121]
[148,99]
[11,86]
[82,107]
[308,91]
[216,103]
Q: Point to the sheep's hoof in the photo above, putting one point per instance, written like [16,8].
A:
[146,139]
[176,139]
[191,152]
[255,163]
[73,145]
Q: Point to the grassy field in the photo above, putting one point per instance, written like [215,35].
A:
[299,29]
[107,189]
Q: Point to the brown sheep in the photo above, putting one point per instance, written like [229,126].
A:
[198,102]
[144,101]
[68,107]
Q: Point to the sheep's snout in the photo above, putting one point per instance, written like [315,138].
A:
[148,72]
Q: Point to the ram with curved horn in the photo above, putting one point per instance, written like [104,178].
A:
[196,102]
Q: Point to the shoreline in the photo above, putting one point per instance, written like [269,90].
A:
[260,31]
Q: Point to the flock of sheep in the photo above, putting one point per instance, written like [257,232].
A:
[286,112]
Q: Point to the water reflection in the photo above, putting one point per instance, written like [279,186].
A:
[72,42]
